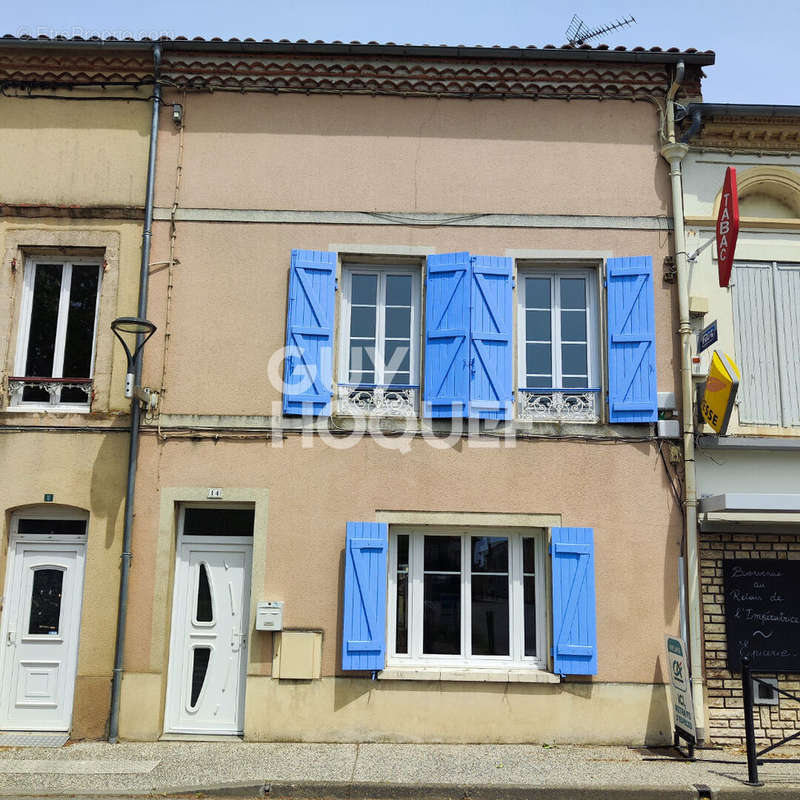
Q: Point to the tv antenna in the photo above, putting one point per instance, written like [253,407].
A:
[578,31]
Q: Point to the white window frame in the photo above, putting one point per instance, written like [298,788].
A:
[413,387]
[593,335]
[26,310]
[516,658]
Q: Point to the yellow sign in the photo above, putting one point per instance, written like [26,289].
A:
[720,392]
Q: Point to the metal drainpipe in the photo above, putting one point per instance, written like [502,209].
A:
[133,454]
[674,153]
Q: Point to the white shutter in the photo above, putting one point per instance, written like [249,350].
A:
[756,346]
[788,294]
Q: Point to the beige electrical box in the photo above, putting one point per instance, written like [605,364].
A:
[297,655]
[698,306]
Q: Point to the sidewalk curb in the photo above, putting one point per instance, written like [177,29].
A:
[406,791]
[346,790]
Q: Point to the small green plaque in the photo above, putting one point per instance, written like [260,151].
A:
[48,498]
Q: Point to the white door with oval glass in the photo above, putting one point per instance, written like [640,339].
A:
[210,625]
[40,626]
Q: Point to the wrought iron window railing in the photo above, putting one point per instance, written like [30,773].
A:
[29,390]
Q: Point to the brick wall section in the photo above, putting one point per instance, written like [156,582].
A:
[724,689]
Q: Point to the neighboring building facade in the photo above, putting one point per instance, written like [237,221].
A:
[71,208]
[453,254]
[747,481]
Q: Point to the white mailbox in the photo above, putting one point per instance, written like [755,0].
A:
[269,615]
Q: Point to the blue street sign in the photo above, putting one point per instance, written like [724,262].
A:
[707,337]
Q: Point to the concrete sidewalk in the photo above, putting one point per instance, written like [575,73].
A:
[480,772]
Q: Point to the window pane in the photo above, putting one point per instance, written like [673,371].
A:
[398,323]
[200,659]
[580,382]
[573,326]
[46,601]
[398,290]
[489,554]
[538,359]
[204,612]
[573,293]
[490,615]
[573,359]
[401,615]
[218,522]
[80,323]
[42,333]
[539,382]
[362,323]
[537,292]
[537,326]
[443,554]
[398,356]
[528,552]
[361,359]
[365,290]
[441,624]
[529,588]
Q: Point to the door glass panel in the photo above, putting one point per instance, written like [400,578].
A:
[218,522]
[46,602]
[204,611]
[200,659]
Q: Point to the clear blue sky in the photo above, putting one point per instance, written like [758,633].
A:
[756,42]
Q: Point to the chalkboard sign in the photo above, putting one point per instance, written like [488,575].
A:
[762,613]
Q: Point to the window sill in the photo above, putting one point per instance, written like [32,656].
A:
[479,675]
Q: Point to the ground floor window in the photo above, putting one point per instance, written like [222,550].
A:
[467,598]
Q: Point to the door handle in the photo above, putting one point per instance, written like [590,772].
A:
[238,641]
[11,638]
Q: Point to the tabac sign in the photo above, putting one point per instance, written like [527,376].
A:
[720,392]
[727,226]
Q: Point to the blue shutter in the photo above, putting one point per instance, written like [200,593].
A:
[447,335]
[308,365]
[490,344]
[364,622]
[632,393]
[574,627]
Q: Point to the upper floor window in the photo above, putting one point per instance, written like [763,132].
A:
[766,296]
[559,373]
[56,340]
[379,341]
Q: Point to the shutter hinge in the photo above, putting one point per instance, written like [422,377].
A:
[550,549]
[335,284]
[513,282]
[472,260]
[553,652]
[605,283]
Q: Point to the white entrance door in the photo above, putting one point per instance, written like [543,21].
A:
[210,620]
[41,623]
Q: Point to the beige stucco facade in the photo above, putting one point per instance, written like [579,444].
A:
[73,187]
[263,174]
